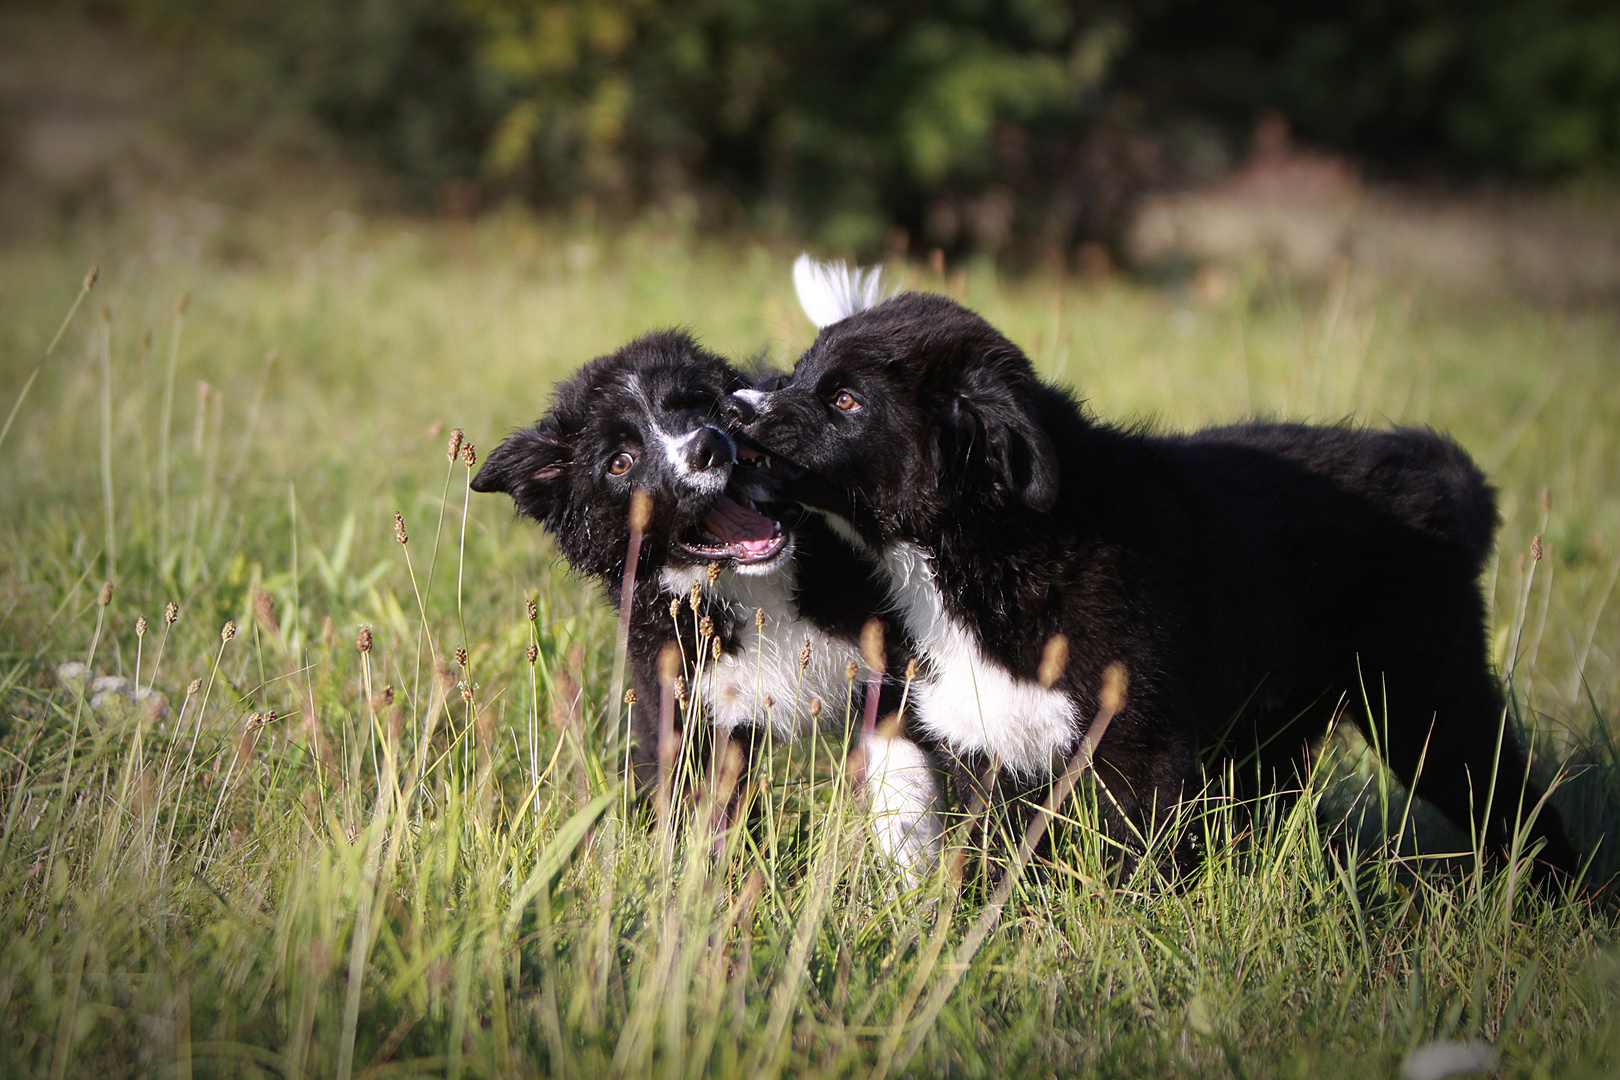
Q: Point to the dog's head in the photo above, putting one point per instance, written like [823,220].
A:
[905,412]
[648,417]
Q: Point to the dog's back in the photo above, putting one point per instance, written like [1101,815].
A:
[1417,476]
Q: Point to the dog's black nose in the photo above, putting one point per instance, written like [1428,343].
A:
[743,406]
[707,449]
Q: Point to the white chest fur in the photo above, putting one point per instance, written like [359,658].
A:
[971,702]
[760,683]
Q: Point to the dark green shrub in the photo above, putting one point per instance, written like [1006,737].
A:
[967,123]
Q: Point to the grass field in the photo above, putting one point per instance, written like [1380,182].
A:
[328,862]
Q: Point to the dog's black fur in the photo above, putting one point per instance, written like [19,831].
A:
[1252,579]
[658,400]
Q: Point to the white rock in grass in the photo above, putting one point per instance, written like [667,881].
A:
[112,705]
[149,703]
[73,675]
[1438,1060]
[112,696]
[111,684]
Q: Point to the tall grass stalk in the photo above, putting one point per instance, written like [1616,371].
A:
[165,423]
[28,383]
[196,731]
[110,521]
[170,616]
[1605,591]
[249,428]
[365,900]
[640,512]
[82,694]
[461,548]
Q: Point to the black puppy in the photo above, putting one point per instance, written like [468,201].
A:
[1251,579]
[649,416]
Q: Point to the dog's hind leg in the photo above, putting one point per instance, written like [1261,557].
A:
[1263,763]
[1451,741]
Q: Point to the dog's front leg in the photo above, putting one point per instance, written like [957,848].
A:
[905,798]
[642,723]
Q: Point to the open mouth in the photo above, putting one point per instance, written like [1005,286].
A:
[755,459]
[750,458]
[734,530]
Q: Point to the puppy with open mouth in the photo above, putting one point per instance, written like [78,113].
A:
[784,600]
[1253,580]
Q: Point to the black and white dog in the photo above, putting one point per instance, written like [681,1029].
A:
[1252,579]
[649,416]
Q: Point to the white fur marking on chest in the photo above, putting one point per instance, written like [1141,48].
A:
[766,665]
[971,702]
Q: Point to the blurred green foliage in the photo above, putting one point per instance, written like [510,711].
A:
[849,114]
[969,123]
[1524,87]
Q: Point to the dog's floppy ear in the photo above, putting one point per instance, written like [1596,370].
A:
[993,435]
[527,466]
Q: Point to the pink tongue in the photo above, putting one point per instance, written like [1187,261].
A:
[735,523]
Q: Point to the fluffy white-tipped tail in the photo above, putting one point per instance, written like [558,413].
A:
[832,291]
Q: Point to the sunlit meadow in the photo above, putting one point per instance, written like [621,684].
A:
[376,824]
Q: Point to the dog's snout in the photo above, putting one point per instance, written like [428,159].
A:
[743,406]
[708,449]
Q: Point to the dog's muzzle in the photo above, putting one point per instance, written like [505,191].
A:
[744,406]
[708,449]
[700,460]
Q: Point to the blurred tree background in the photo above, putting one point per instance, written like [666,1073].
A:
[971,125]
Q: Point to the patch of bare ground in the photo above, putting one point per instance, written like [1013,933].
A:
[1309,214]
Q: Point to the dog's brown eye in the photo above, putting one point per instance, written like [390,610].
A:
[845,401]
[621,463]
